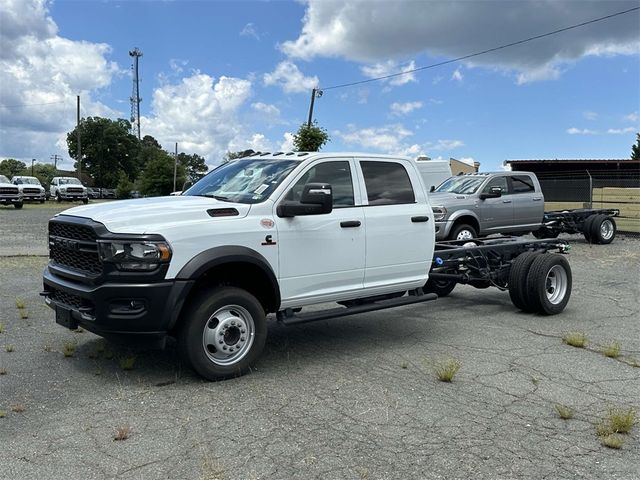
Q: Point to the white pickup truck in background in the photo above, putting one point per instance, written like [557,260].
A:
[273,234]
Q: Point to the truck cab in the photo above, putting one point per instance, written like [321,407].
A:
[466,206]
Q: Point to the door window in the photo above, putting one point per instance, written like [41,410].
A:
[497,182]
[522,184]
[337,174]
[387,183]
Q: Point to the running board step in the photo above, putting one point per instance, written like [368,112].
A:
[287,317]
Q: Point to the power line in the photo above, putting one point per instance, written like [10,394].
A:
[519,42]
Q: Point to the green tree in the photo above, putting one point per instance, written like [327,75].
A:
[635,149]
[194,166]
[123,190]
[310,138]
[157,177]
[44,172]
[11,167]
[108,149]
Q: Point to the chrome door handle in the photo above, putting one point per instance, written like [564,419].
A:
[537,199]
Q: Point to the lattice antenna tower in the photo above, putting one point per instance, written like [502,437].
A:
[135,96]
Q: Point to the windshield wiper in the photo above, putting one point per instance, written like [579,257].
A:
[217,197]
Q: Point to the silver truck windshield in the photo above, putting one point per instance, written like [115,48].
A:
[462,185]
[243,181]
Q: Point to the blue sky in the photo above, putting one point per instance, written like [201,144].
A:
[220,76]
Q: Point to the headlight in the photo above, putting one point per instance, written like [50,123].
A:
[134,256]
[63,189]
[439,213]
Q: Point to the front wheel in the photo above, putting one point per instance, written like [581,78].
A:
[18,205]
[463,232]
[442,288]
[223,333]
[58,198]
[85,200]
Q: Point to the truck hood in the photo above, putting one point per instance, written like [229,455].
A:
[446,198]
[145,215]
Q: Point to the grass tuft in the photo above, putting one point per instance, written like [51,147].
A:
[612,350]
[20,303]
[212,470]
[122,433]
[18,408]
[621,420]
[3,414]
[24,314]
[1,328]
[612,441]
[404,365]
[446,370]
[575,339]
[3,371]
[127,363]
[565,412]
[68,349]
[9,348]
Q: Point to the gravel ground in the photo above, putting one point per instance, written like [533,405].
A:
[347,398]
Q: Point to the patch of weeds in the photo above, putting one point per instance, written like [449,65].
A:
[122,433]
[404,365]
[3,371]
[575,339]
[3,414]
[446,370]
[9,348]
[362,472]
[612,350]
[20,303]
[212,470]
[612,441]
[78,330]
[24,314]
[18,408]
[1,328]
[68,349]
[621,420]
[127,363]
[565,412]
[535,380]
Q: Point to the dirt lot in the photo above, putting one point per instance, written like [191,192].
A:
[353,398]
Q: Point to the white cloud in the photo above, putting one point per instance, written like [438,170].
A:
[391,67]
[632,117]
[468,160]
[368,32]
[288,76]
[442,145]
[621,131]
[457,75]
[268,110]
[287,144]
[404,108]
[249,31]
[41,74]
[580,131]
[388,139]
[590,115]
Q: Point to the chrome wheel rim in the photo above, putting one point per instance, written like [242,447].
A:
[556,284]
[464,235]
[228,335]
[606,229]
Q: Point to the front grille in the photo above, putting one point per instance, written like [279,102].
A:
[31,190]
[74,190]
[69,299]
[8,191]
[74,247]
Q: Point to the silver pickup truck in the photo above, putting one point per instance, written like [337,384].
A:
[480,204]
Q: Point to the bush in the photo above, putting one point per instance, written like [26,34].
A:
[123,190]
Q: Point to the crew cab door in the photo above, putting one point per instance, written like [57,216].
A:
[323,255]
[400,235]
[496,214]
[528,203]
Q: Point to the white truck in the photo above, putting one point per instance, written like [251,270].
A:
[68,188]
[265,237]
[9,193]
[30,188]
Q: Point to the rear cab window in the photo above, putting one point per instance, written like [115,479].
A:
[387,183]
[522,184]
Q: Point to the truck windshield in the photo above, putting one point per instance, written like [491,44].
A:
[243,181]
[69,181]
[462,185]
[29,181]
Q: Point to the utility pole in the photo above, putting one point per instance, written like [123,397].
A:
[32,162]
[315,93]
[55,159]
[175,167]
[79,154]
[135,96]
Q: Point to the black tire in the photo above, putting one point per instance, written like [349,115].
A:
[42,201]
[463,230]
[518,280]
[586,227]
[549,283]
[442,288]
[213,321]
[545,232]
[58,198]
[603,229]
[85,200]
[18,205]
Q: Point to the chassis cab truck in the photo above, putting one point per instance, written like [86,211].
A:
[266,234]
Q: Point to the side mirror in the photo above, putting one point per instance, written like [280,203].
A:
[494,192]
[432,189]
[316,199]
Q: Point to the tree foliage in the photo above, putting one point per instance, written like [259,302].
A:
[11,167]
[194,166]
[310,138]
[44,172]
[108,149]
[123,190]
[635,149]
[157,177]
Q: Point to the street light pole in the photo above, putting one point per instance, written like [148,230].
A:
[175,167]
[32,161]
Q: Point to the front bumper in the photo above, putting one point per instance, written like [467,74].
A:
[34,196]
[139,312]
[10,200]
[72,196]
